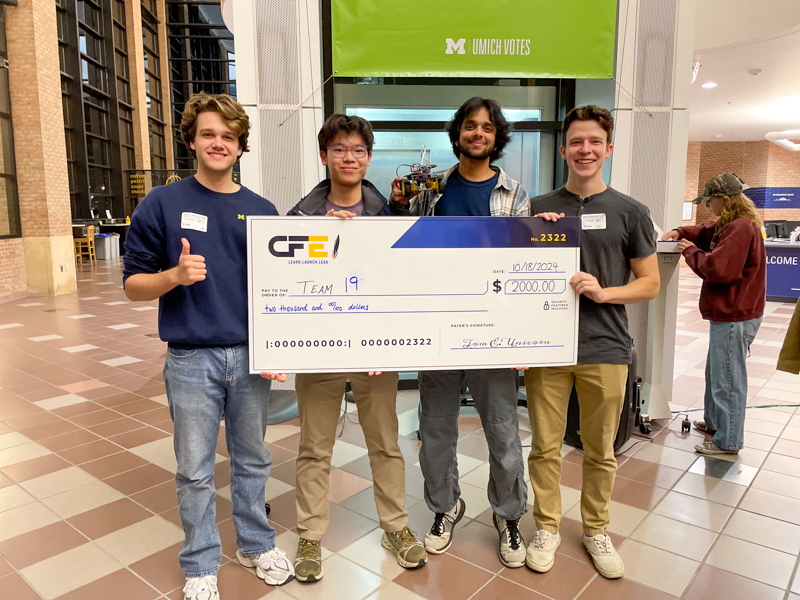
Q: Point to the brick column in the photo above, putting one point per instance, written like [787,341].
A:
[166,89]
[39,146]
[141,135]
[692,176]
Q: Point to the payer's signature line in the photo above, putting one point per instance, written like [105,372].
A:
[510,347]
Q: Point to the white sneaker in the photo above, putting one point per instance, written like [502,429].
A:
[439,538]
[512,547]
[274,566]
[606,560]
[541,554]
[201,588]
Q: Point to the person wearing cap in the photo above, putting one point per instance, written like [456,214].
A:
[728,255]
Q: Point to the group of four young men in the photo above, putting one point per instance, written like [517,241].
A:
[187,247]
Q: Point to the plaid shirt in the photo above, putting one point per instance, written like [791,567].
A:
[508,199]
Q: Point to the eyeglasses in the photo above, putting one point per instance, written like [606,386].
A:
[340,150]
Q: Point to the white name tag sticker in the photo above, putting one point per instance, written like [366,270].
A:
[593,221]
[198,222]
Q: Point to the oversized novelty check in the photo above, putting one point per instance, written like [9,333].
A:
[408,294]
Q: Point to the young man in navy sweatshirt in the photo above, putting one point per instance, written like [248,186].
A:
[187,246]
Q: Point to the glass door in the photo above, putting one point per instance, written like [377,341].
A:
[406,117]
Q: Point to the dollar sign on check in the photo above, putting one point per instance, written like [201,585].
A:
[497,286]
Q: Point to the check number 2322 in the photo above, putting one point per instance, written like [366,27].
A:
[550,237]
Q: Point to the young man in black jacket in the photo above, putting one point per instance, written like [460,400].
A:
[345,147]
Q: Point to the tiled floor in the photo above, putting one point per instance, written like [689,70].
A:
[88,508]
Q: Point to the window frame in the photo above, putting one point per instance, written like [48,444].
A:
[14,217]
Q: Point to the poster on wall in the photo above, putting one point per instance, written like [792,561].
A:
[775,197]
[454,38]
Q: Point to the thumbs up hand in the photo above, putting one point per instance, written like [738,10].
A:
[191,267]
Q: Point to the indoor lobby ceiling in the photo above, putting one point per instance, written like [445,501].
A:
[733,37]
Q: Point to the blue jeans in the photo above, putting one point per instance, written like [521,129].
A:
[203,386]
[726,380]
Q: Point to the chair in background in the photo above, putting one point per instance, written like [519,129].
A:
[85,247]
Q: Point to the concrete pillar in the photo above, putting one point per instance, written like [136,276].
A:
[166,91]
[40,147]
[141,132]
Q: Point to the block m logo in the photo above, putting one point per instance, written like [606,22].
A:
[455,47]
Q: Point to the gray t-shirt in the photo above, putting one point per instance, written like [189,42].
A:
[619,229]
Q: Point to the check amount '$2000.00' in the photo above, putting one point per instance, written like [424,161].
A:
[408,294]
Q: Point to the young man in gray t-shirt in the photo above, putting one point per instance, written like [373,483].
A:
[617,240]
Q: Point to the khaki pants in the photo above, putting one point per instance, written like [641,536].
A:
[319,399]
[601,394]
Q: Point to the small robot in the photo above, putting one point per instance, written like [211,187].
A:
[422,177]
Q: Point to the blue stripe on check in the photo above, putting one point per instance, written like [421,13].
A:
[488,232]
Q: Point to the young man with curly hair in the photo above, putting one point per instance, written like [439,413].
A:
[187,247]
[474,187]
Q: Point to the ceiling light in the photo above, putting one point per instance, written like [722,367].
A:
[755,72]
[719,135]
[710,84]
[785,109]
[784,139]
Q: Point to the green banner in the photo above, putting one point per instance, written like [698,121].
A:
[459,38]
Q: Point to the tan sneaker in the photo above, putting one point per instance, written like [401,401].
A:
[408,550]
[703,426]
[606,560]
[711,448]
[308,563]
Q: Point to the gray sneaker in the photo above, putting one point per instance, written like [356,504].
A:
[439,538]
[308,562]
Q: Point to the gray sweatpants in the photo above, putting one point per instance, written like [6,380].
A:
[495,394]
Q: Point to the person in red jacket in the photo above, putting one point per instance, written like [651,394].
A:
[728,255]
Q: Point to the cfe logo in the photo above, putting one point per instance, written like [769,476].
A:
[284,246]
[455,46]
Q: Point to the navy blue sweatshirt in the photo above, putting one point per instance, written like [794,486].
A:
[212,312]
